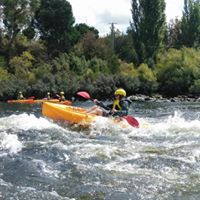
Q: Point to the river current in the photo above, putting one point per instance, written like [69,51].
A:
[44,160]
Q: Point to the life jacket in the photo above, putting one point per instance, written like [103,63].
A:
[21,97]
[116,105]
[62,98]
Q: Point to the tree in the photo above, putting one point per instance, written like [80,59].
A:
[177,70]
[83,28]
[21,65]
[55,20]
[124,48]
[91,47]
[16,16]
[147,79]
[173,33]
[148,28]
[190,24]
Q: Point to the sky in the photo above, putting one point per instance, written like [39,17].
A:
[100,13]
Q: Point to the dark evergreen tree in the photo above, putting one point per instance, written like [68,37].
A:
[55,20]
[83,28]
[148,29]
[190,24]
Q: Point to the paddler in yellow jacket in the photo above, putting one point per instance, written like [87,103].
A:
[119,107]
[62,96]
[48,96]
[20,96]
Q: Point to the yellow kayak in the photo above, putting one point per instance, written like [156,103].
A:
[53,101]
[67,113]
[46,100]
[32,101]
[26,101]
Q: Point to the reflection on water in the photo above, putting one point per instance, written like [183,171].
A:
[41,159]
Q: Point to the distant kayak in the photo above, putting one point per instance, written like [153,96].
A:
[25,101]
[66,102]
[32,101]
[46,100]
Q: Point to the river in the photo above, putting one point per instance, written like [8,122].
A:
[44,160]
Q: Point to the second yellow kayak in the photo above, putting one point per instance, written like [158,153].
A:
[66,102]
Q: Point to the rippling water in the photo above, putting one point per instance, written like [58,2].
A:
[44,160]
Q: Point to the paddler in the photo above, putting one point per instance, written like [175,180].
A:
[119,107]
[62,96]
[48,96]
[20,96]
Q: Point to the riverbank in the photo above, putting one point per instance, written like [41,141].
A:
[157,98]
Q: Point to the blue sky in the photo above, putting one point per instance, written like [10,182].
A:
[99,13]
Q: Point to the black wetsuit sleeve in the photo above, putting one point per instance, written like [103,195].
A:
[105,106]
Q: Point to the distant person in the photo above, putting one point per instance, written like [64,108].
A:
[20,96]
[119,107]
[62,96]
[48,96]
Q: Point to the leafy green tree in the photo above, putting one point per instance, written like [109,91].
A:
[38,50]
[22,65]
[177,71]
[104,86]
[124,48]
[16,16]
[114,64]
[148,29]
[91,47]
[54,20]
[190,24]
[98,65]
[128,69]
[4,75]
[173,34]
[130,83]
[147,79]
[195,88]
[77,64]
[83,28]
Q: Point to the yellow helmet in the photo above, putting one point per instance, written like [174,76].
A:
[120,92]
[62,92]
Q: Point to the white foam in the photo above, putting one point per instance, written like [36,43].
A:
[26,122]
[46,168]
[10,142]
[171,126]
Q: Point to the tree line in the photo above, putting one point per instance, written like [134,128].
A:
[43,50]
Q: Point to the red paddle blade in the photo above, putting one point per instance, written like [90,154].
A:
[84,94]
[31,97]
[132,121]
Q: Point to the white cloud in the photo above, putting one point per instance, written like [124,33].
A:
[174,8]
[99,13]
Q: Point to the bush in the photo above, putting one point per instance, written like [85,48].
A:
[195,88]
[147,78]
[176,71]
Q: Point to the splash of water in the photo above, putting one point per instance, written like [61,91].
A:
[10,142]
[26,122]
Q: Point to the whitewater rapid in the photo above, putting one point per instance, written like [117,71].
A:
[42,159]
